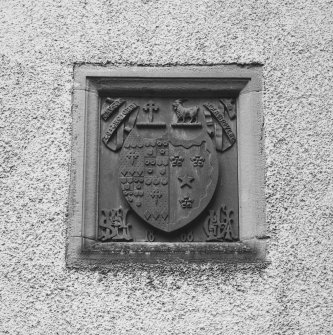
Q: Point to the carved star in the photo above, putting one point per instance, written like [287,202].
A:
[186,180]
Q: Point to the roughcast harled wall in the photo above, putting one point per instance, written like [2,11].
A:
[39,43]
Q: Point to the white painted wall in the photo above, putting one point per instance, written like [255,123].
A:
[40,41]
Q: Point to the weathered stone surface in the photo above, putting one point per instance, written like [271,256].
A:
[39,43]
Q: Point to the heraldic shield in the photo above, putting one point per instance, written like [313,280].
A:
[168,181]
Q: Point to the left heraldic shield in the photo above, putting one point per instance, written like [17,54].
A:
[168,181]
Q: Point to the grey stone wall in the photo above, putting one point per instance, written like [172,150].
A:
[40,41]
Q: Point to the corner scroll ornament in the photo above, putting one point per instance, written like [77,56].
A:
[230,107]
[217,125]
[110,106]
[113,225]
[114,136]
[218,225]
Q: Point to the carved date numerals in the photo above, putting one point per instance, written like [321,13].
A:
[187,237]
[150,236]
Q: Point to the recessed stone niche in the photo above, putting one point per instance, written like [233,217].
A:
[167,165]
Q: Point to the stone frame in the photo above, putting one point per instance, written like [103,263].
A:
[242,82]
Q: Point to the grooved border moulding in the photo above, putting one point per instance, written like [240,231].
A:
[167,165]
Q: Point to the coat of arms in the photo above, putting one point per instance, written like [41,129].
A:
[168,166]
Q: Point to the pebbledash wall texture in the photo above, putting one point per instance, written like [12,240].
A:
[40,42]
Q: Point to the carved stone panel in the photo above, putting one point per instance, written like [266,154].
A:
[167,165]
[168,169]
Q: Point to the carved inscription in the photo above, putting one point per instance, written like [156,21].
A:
[117,121]
[111,107]
[220,118]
